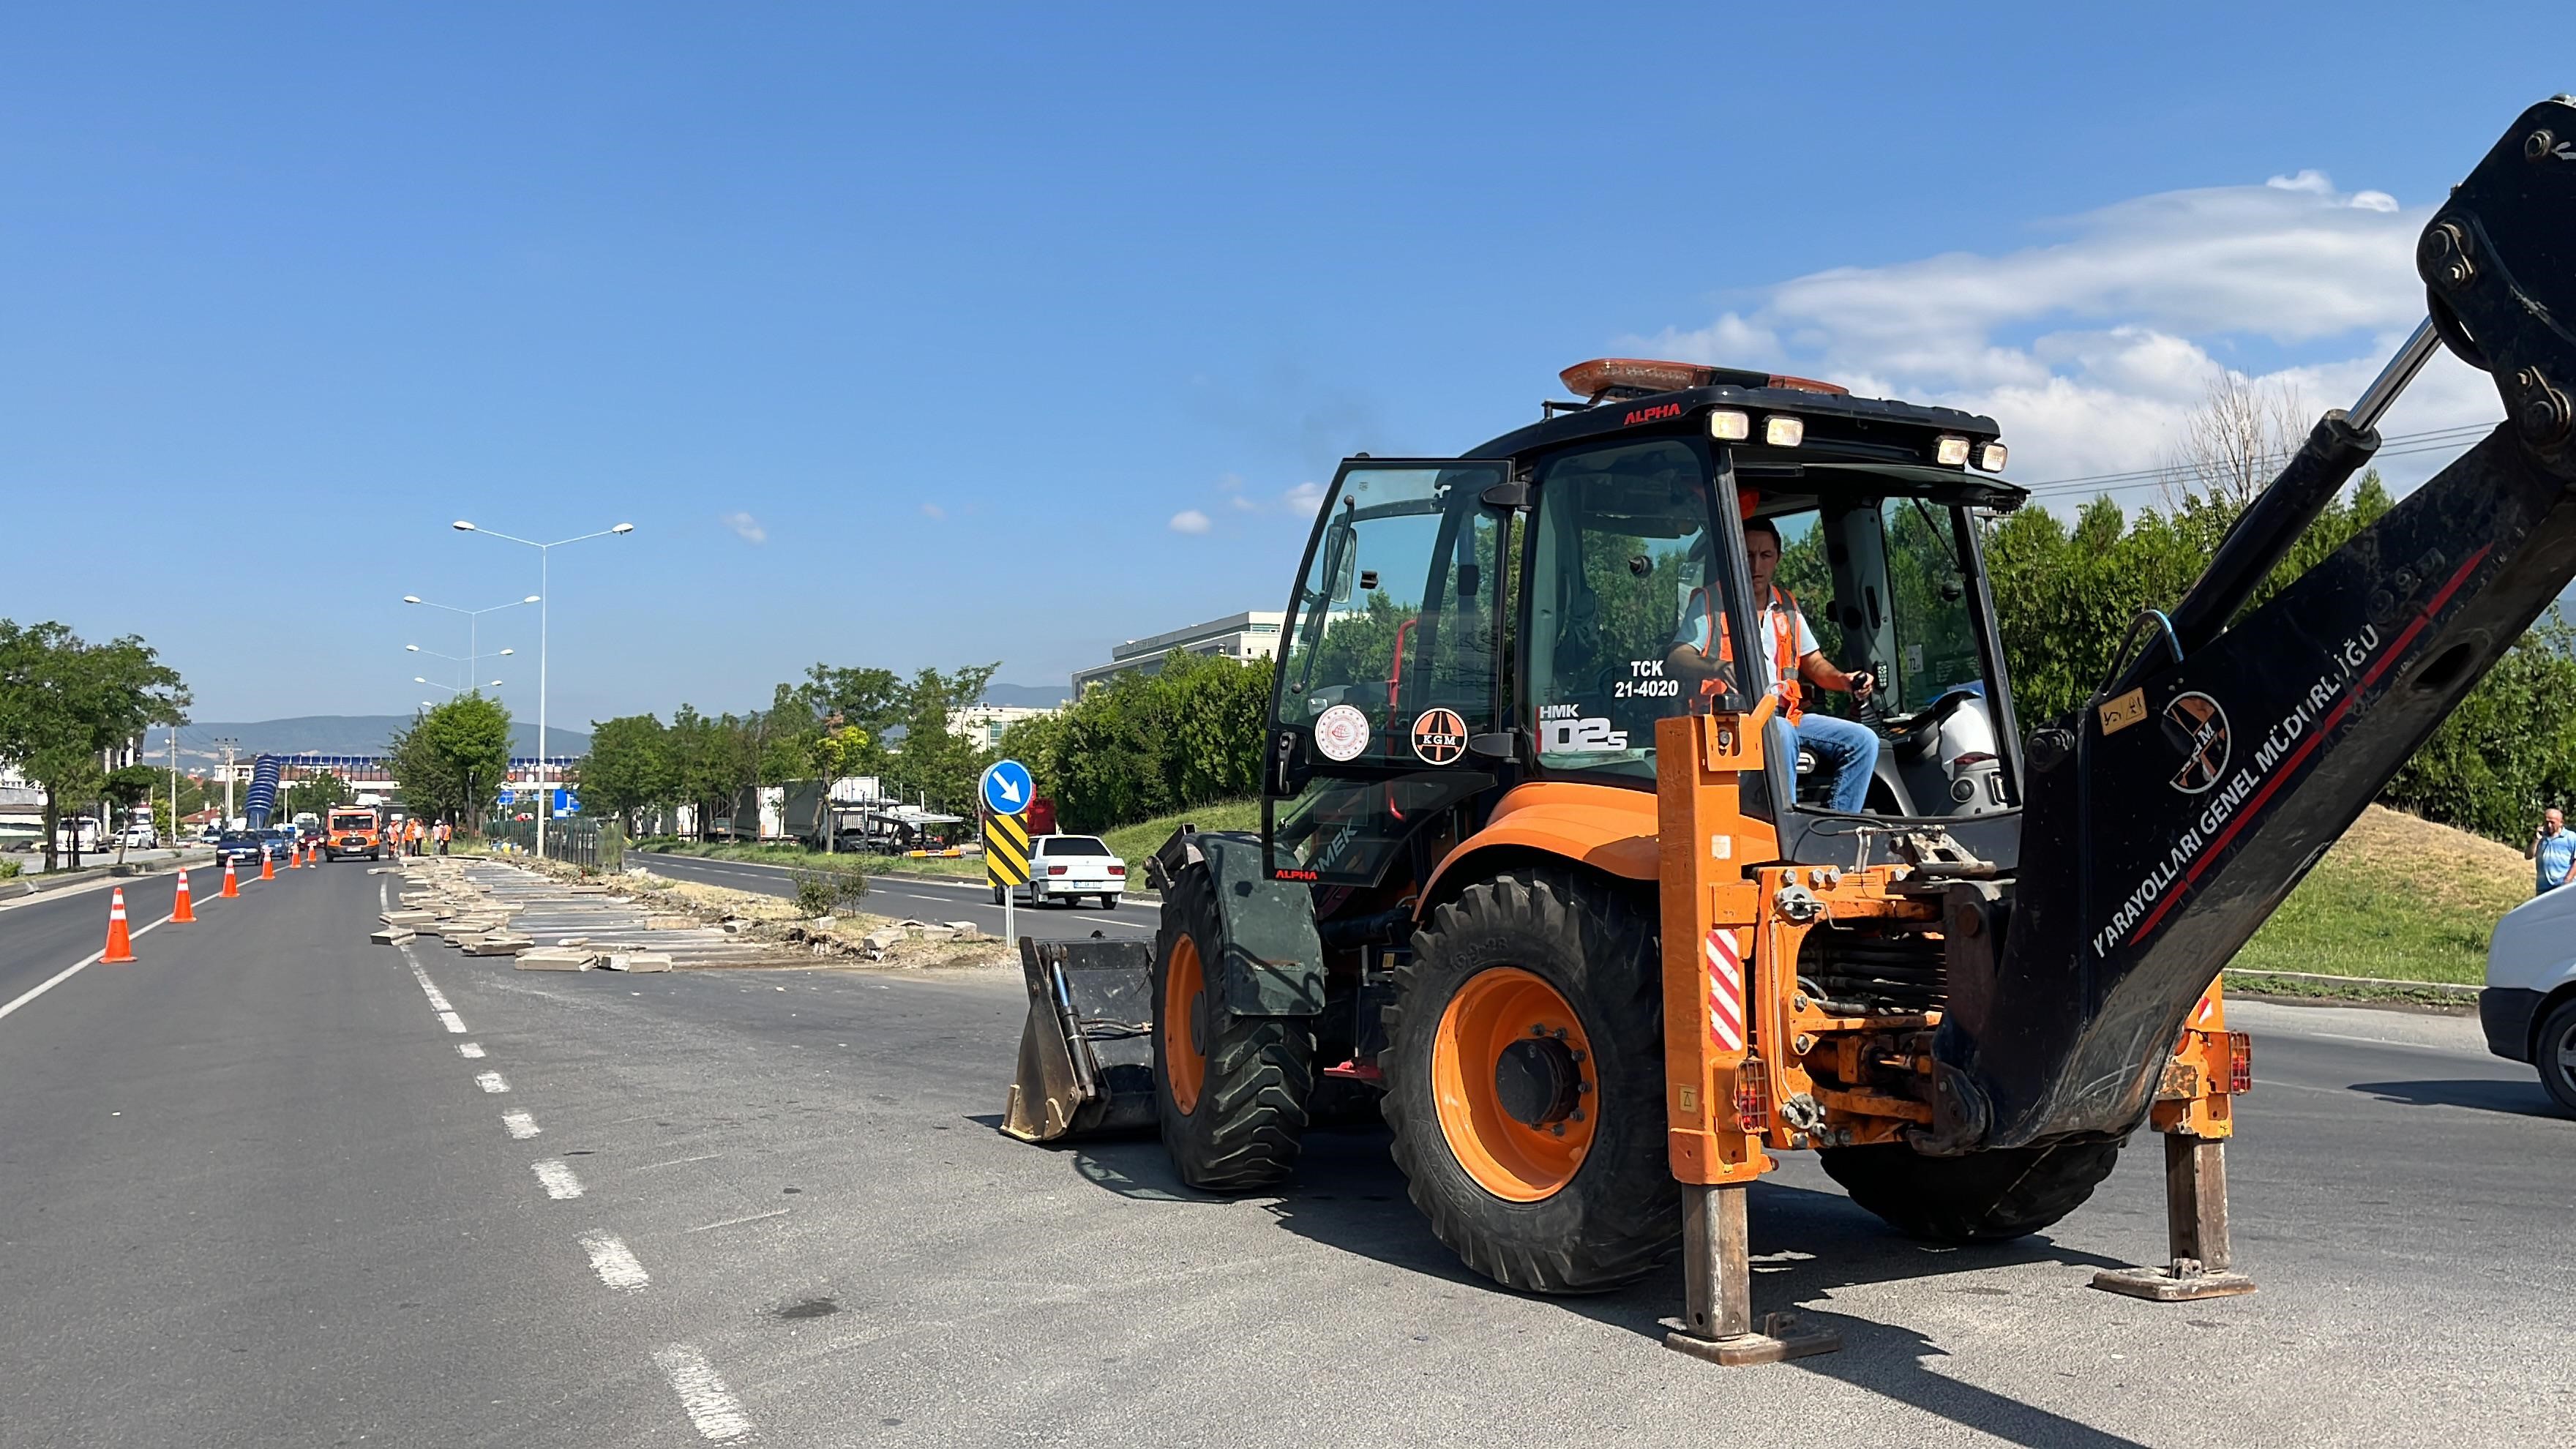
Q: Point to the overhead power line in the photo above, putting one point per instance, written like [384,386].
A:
[2395,445]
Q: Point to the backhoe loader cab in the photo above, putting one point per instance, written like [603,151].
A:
[1550,866]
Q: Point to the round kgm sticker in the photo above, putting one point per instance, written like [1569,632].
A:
[1439,736]
[2198,728]
[1341,733]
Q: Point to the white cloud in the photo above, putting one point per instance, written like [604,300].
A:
[1304,498]
[1190,520]
[933,510]
[2090,350]
[746,528]
[1242,504]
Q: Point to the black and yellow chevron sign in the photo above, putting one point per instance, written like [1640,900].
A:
[1006,850]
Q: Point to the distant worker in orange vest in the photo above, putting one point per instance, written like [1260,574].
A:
[1846,752]
[441,830]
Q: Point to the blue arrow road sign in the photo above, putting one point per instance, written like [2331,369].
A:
[1007,787]
[509,797]
[566,803]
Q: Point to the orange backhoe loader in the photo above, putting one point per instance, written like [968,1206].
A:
[1644,799]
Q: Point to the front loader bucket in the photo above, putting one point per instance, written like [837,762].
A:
[1087,1053]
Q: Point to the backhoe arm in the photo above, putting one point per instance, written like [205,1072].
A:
[2168,818]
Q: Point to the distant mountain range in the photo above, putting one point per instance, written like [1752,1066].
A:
[1030,696]
[330,734]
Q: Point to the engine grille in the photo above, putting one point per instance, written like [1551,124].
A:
[1863,972]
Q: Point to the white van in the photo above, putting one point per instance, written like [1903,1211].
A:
[2529,1005]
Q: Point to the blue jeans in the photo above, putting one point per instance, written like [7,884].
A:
[1845,752]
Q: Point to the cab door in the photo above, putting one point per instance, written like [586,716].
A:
[1389,669]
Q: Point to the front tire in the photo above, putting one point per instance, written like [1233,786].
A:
[1230,1091]
[1982,1197]
[1525,1075]
[2554,1053]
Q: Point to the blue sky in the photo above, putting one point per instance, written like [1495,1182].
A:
[919,336]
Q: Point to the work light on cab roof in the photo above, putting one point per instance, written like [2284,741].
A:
[1618,379]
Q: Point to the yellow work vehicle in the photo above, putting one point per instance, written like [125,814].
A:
[1612,908]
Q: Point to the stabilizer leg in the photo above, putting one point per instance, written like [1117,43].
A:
[1717,1274]
[2200,1263]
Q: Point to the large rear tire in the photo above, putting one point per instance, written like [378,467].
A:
[1230,1090]
[1525,1080]
[1983,1197]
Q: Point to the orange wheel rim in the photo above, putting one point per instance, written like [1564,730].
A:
[1184,1062]
[1513,1075]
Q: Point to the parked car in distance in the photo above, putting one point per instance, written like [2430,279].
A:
[238,847]
[2529,1005]
[280,840]
[1069,867]
[139,836]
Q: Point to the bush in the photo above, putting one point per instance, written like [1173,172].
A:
[828,889]
[8,870]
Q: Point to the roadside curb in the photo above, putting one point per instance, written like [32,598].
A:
[968,882]
[28,888]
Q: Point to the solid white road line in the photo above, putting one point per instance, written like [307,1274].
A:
[521,1125]
[470,1050]
[711,1406]
[492,1082]
[615,1266]
[438,1002]
[737,1222]
[76,968]
[556,1176]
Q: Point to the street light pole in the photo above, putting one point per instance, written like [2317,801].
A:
[545,591]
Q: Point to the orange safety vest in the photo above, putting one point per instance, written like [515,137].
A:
[1784,647]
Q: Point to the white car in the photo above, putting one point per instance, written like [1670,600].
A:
[1069,867]
[140,837]
[2529,1005]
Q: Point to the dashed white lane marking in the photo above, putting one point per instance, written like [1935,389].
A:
[711,1406]
[737,1222]
[557,1178]
[521,1125]
[492,1082]
[615,1266]
[452,1022]
[74,969]
[470,1050]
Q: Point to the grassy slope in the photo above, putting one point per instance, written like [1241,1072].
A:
[1131,843]
[2397,897]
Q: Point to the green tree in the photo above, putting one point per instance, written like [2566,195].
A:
[65,703]
[453,759]
[933,762]
[316,794]
[628,769]
[127,787]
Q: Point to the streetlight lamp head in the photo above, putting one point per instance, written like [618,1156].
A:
[411,598]
[507,652]
[417,679]
[462,526]
[623,528]
[530,599]
[411,649]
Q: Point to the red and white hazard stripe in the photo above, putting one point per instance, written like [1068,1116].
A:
[1725,990]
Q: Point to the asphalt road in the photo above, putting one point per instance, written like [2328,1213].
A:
[255,1191]
[927,899]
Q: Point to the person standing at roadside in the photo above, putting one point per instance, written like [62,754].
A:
[2552,852]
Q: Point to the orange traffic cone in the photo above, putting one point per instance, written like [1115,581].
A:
[183,911]
[267,866]
[120,946]
[230,890]
[295,857]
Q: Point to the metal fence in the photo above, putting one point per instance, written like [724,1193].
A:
[598,844]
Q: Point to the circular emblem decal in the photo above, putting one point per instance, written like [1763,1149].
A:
[1341,732]
[2198,728]
[1439,736]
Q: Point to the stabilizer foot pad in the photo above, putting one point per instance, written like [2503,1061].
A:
[2163,1285]
[1782,1337]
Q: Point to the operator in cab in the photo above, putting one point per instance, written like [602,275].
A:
[1846,753]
